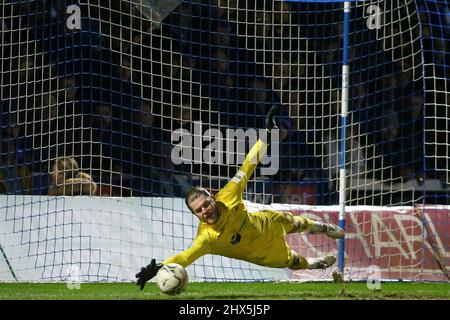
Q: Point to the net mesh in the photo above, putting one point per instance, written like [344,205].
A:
[130,103]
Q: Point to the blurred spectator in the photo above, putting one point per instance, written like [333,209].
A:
[281,73]
[69,85]
[298,160]
[220,36]
[411,134]
[219,64]
[256,98]
[14,174]
[355,159]
[360,98]
[102,116]
[123,69]
[121,182]
[147,136]
[67,179]
[390,159]
[301,179]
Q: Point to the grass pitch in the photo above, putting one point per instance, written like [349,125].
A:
[226,291]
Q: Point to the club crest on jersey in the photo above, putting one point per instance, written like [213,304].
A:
[236,239]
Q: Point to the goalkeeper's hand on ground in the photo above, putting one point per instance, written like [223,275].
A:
[147,273]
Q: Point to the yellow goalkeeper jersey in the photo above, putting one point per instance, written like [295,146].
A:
[255,237]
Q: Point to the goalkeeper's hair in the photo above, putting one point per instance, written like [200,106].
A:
[194,193]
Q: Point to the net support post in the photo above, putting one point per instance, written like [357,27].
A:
[342,149]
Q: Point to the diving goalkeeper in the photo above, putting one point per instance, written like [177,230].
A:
[226,227]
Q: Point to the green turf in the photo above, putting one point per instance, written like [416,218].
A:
[269,291]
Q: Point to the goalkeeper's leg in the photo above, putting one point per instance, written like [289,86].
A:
[299,262]
[303,224]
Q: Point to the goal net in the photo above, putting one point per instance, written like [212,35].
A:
[112,110]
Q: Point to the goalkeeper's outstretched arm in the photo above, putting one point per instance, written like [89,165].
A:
[199,248]
[231,194]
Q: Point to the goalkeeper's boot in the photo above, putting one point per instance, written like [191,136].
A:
[322,262]
[331,230]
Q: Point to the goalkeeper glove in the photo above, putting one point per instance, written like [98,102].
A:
[270,118]
[270,122]
[147,273]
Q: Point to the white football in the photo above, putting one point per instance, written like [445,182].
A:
[172,278]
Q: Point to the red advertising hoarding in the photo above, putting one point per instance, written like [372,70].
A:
[396,243]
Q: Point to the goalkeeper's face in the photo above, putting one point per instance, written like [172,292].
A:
[205,208]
